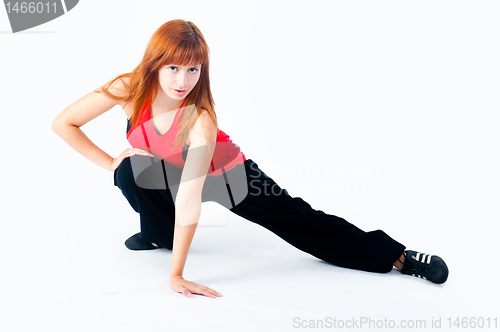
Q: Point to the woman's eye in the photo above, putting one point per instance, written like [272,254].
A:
[192,70]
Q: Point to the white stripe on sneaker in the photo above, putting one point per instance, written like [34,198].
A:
[429,259]
[423,258]
[418,255]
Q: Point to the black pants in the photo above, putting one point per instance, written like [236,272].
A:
[324,236]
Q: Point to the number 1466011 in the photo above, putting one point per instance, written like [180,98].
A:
[473,322]
[31,7]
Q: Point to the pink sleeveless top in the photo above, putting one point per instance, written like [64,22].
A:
[226,154]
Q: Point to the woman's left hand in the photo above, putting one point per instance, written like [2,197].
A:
[188,288]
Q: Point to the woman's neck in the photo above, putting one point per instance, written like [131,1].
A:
[163,104]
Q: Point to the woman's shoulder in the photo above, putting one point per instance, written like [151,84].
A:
[203,127]
[120,88]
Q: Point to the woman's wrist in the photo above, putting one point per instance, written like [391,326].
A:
[175,276]
[109,165]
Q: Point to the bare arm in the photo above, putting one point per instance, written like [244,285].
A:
[67,125]
[188,202]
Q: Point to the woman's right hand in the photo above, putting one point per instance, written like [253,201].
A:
[127,153]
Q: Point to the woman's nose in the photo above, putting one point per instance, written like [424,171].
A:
[182,79]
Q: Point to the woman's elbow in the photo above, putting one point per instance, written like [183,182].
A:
[188,203]
[58,125]
[55,126]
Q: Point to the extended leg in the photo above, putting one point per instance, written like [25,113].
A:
[324,236]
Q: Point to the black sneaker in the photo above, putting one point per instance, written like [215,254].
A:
[429,267]
[135,242]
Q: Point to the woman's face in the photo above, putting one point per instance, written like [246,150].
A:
[178,81]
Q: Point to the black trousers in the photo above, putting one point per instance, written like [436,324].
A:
[324,236]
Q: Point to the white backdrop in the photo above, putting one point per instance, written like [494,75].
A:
[382,112]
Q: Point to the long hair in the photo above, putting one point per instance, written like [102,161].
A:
[177,42]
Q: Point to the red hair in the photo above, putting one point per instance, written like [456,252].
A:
[177,42]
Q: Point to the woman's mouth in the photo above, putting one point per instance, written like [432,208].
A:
[179,92]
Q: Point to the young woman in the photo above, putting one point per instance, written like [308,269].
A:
[180,158]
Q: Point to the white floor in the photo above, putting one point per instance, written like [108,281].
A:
[71,272]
